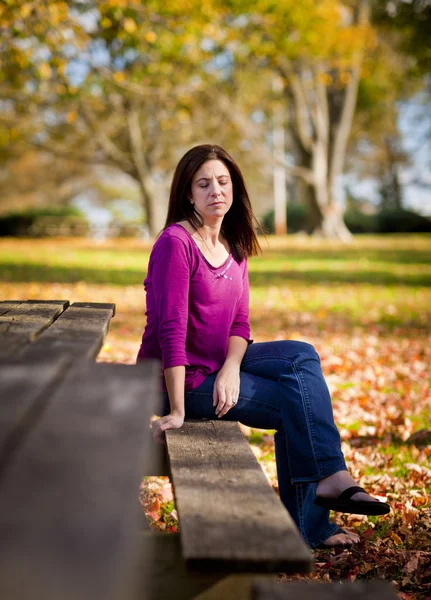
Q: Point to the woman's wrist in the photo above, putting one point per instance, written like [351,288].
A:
[177,412]
[232,361]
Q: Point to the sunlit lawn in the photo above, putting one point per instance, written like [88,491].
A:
[365,306]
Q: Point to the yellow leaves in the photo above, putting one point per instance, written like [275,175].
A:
[71,116]
[116,3]
[54,13]
[61,89]
[396,539]
[150,37]
[345,77]
[183,116]
[26,10]
[118,77]
[105,23]
[324,78]
[129,25]
[44,70]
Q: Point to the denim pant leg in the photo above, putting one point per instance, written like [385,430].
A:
[312,437]
[307,445]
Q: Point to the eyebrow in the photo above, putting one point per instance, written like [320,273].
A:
[208,178]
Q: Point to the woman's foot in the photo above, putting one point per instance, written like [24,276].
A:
[334,485]
[341,539]
[340,493]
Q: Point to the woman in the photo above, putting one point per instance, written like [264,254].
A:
[198,326]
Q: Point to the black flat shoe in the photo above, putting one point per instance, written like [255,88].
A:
[344,503]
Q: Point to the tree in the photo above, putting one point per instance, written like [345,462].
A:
[120,87]
[395,73]
[318,50]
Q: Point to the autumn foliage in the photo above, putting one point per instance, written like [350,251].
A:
[366,307]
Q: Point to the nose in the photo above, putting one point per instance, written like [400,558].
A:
[215,189]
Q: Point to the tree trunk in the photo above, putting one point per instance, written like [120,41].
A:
[279,170]
[324,215]
[321,121]
[324,221]
[155,203]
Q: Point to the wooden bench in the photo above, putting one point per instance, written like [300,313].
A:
[74,444]
[235,534]
[73,447]
[234,530]
[358,590]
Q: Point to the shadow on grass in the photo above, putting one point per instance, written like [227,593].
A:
[276,278]
[24,272]
[402,256]
[42,273]
[395,441]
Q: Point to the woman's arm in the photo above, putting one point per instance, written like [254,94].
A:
[226,385]
[174,378]
[171,281]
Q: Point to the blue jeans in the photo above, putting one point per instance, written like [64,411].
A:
[282,388]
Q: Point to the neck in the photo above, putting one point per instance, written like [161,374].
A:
[210,232]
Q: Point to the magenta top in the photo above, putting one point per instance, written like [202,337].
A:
[192,307]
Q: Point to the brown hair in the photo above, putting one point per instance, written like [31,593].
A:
[238,223]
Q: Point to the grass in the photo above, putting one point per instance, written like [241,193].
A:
[366,307]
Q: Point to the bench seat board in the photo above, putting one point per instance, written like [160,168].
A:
[25,389]
[69,500]
[230,517]
[78,333]
[357,590]
[22,323]
[7,305]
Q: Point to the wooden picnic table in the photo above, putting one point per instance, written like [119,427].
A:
[74,445]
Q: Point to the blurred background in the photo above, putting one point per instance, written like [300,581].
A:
[325,105]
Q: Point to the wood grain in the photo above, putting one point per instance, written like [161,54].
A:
[69,500]
[163,573]
[7,305]
[25,391]
[358,590]
[23,322]
[78,333]
[230,517]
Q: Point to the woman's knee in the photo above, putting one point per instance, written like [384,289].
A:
[301,350]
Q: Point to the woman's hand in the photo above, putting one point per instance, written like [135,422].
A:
[159,426]
[226,389]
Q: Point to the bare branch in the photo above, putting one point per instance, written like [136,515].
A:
[106,144]
[296,95]
[342,131]
[252,133]
[322,109]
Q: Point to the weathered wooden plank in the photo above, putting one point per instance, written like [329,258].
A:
[78,333]
[230,517]
[158,465]
[22,323]
[357,590]
[162,572]
[234,587]
[69,500]
[7,305]
[25,390]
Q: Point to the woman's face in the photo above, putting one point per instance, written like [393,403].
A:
[212,190]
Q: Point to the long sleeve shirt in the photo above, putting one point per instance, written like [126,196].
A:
[192,307]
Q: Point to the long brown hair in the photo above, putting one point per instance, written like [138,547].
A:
[238,223]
